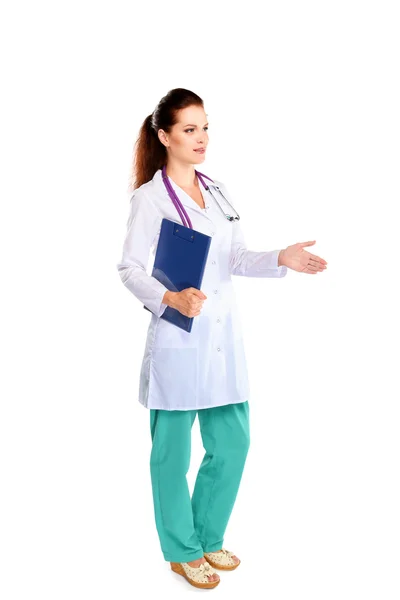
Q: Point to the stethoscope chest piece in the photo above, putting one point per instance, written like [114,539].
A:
[226,215]
[180,208]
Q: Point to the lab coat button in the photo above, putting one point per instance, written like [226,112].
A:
[218,349]
[218,320]
[213,262]
[212,233]
[215,291]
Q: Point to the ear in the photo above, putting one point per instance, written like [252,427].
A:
[162,136]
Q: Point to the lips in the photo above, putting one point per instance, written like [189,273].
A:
[200,150]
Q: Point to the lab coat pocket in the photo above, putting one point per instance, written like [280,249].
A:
[175,376]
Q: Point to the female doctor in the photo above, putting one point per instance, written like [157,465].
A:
[202,372]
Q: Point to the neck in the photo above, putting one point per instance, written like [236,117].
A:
[182,174]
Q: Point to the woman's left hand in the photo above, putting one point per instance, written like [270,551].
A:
[294,257]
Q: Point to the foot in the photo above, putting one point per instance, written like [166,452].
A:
[222,559]
[234,558]
[196,563]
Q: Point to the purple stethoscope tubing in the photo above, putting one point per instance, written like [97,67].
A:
[178,204]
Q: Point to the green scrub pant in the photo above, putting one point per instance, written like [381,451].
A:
[189,526]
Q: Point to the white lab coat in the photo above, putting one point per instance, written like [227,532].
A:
[206,367]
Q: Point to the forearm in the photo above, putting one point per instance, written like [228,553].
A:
[249,263]
[144,287]
[168,298]
[281,258]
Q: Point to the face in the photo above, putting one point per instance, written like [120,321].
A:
[187,135]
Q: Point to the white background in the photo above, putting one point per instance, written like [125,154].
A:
[303,105]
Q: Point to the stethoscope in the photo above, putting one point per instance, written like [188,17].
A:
[179,206]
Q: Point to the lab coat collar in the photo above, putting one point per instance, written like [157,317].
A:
[183,196]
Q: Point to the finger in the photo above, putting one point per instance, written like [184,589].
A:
[312,268]
[198,293]
[303,244]
[317,263]
[196,305]
[315,257]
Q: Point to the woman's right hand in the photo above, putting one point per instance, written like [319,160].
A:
[189,301]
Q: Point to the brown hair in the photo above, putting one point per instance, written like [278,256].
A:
[150,154]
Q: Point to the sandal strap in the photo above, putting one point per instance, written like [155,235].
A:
[199,574]
[227,553]
[222,557]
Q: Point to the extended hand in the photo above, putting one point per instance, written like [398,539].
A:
[294,257]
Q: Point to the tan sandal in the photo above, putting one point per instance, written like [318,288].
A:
[221,560]
[197,576]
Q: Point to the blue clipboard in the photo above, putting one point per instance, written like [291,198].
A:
[179,263]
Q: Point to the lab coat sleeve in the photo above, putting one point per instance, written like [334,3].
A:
[250,263]
[142,226]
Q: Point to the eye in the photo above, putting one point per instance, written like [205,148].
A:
[191,129]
